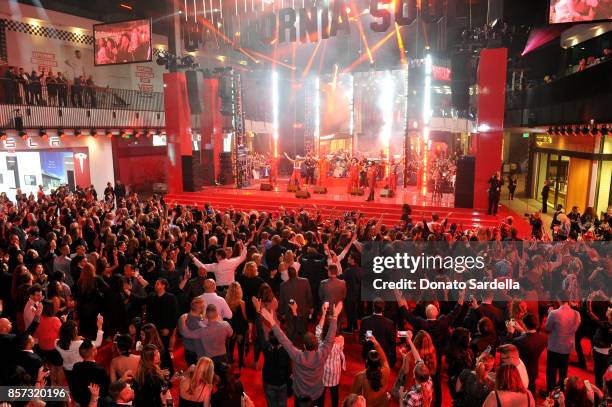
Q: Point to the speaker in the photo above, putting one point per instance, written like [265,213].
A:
[461,68]
[226,172]
[357,191]
[207,167]
[319,190]
[387,193]
[193,91]
[187,167]
[302,194]
[264,186]
[464,183]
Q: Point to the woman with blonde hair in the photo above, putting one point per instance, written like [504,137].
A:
[239,322]
[195,388]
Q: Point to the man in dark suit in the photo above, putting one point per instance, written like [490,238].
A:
[86,373]
[312,267]
[383,329]
[162,311]
[438,327]
[9,345]
[485,309]
[332,289]
[352,276]
[296,289]
[274,253]
[26,358]
[530,345]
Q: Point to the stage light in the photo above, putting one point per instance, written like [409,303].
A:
[77,133]
[386,94]
[43,134]
[61,134]
[348,10]
[93,133]
[108,133]
[23,135]
[603,130]
[586,130]
[550,131]
[275,103]
[577,130]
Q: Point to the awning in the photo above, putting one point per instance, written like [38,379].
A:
[583,32]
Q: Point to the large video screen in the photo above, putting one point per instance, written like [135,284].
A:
[123,42]
[576,11]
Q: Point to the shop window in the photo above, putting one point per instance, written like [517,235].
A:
[30,179]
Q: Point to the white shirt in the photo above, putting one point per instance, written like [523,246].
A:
[71,356]
[225,270]
[222,308]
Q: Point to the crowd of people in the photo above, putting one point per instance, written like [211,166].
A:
[150,278]
[47,88]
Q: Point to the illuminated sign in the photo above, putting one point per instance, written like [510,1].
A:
[543,139]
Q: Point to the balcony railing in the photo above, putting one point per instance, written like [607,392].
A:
[573,99]
[37,105]
[15,92]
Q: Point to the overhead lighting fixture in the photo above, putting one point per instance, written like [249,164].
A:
[108,133]
[23,135]
[603,130]
[93,133]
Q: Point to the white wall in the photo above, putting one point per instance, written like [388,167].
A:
[99,150]
[32,51]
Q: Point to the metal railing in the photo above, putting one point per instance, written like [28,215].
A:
[35,93]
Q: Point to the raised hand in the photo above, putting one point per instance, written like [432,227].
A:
[337,309]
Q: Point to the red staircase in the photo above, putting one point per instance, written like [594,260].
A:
[272,201]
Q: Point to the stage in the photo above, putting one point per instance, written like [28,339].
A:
[337,201]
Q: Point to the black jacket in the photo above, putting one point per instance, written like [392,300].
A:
[83,374]
[383,329]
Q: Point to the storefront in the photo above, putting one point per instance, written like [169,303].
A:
[50,160]
[578,169]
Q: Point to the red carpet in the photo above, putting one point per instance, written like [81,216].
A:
[252,382]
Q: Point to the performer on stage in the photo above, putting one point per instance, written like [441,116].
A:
[394,170]
[311,165]
[296,175]
[323,168]
[363,173]
[372,174]
[273,170]
[353,175]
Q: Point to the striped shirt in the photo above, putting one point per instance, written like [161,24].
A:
[416,396]
[335,363]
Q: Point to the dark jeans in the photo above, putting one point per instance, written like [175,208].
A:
[556,363]
[237,340]
[581,333]
[191,358]
[493,203]
[352,314]
[166,359]
[276,396]
[600,362]
[544,204]
[335,395]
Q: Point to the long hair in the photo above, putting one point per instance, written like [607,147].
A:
[250,269]
[151,337]
[202,375]
[67,334]
[508,378]
[427,350]
[373,370]
[87,279]
[147,368]
[233,297]
[576,393]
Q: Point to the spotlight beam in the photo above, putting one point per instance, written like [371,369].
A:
[272,60]
[362,34]
[400,45]
[363,57]
[310,61]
